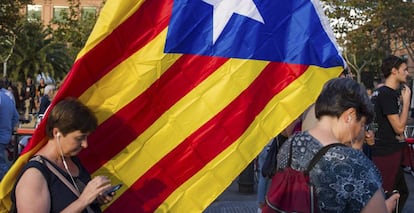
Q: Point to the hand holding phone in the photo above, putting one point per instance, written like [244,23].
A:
[113,189]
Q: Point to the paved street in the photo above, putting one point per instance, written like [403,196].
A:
[232,201]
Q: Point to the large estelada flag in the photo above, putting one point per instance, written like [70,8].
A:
[188,92]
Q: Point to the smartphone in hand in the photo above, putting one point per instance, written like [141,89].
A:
[113,189]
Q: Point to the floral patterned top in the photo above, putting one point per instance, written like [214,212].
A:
[344,178]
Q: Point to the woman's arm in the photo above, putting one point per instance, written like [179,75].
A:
[32,192]
[378,203]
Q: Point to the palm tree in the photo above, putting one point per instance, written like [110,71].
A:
[36,52]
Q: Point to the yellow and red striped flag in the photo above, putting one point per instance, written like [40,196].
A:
[188,92]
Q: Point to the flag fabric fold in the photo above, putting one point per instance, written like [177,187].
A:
[187,93]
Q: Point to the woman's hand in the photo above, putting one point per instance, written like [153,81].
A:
[95,189]
[369,137]
[92,191]
[105,198]
[391,202]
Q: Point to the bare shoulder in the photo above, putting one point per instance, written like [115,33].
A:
[32,186]
[31,179]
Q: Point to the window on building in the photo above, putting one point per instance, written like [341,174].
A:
[88,12]
[59,12]
[34,12]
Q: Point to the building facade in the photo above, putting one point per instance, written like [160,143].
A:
[49,10]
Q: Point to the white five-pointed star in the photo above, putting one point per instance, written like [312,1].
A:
[224,9]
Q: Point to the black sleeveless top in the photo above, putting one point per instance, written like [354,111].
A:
[60,195]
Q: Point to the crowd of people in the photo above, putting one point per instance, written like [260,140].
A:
[18,104]
[371,123]
[9,119]
[28,96]
[341,114]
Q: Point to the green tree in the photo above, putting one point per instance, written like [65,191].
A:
[36,52]
[75,27]
[9,17]
[367,30]
[51,49]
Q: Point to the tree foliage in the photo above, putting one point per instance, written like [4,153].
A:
[49,49]
[74,28]
[370,30]
[36,51]
[9,17]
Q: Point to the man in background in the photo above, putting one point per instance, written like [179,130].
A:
[9,118]
[391,104]
[27,96]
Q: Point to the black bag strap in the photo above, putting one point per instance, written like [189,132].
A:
[274,145]
[280,140]
[319,155]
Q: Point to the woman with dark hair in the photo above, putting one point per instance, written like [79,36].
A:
[345,180]
[55,178]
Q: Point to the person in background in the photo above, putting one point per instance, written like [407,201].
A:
[391,103]
[342,109]
[364,141]
[3,88]
[40,91]
[7,81]
[369,92]
[13,89]
[46,99]
[263,182]
[27,96]
[38,188]
[9,119]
